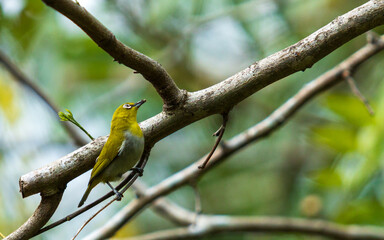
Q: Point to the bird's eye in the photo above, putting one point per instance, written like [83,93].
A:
[127,106]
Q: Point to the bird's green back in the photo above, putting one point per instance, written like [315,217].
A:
[108,153]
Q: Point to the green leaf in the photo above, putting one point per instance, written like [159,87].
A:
[327,178]
[337,137]
[367,211]
[28,23]
[349,108]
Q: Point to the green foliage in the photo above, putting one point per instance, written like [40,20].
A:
[357,140]
[335,136]
[328,178]
[350,109]
[363,211]
[25,26]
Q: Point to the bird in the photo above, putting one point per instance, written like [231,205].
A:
[123,149]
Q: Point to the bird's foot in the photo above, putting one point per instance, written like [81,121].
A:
[119,196]
[138,170]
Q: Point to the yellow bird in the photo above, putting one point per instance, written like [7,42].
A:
[122,150]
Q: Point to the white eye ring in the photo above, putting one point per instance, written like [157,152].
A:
[127,106]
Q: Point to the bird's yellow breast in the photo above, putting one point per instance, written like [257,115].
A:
[135,130]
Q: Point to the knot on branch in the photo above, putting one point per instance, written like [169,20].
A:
[178,102]
[107,39]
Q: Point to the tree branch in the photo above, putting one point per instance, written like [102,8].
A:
[166,208]
[215,224]
[20,77]
[205,225]
[105,39]
[226,94]
[218,98]
[262,129]
[57,174]
[126,183]
[40,217]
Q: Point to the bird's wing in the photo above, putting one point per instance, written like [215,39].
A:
[108,153]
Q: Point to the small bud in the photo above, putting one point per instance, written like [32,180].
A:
[63,116]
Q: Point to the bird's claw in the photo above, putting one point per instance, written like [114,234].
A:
[119,196]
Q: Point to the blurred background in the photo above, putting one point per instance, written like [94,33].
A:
[326,162]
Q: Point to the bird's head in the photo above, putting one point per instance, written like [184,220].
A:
[126,113]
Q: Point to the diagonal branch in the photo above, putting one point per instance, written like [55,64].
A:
[262,129]
[39,218]
[20,77]
[166,208]
[105,39]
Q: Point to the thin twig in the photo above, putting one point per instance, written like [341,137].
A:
[129,184]
[352,84]
[219,134]
[68,116]
[83,226]
[84,209]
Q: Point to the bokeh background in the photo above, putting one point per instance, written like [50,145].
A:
[326,163]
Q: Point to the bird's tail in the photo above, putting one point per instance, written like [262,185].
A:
[85,196]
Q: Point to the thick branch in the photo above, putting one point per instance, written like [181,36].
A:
[20,77]
[208,225]
[39,218]
[55,175]
[262,129]
[105,39]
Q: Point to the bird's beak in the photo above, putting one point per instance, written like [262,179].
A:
[139,103]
